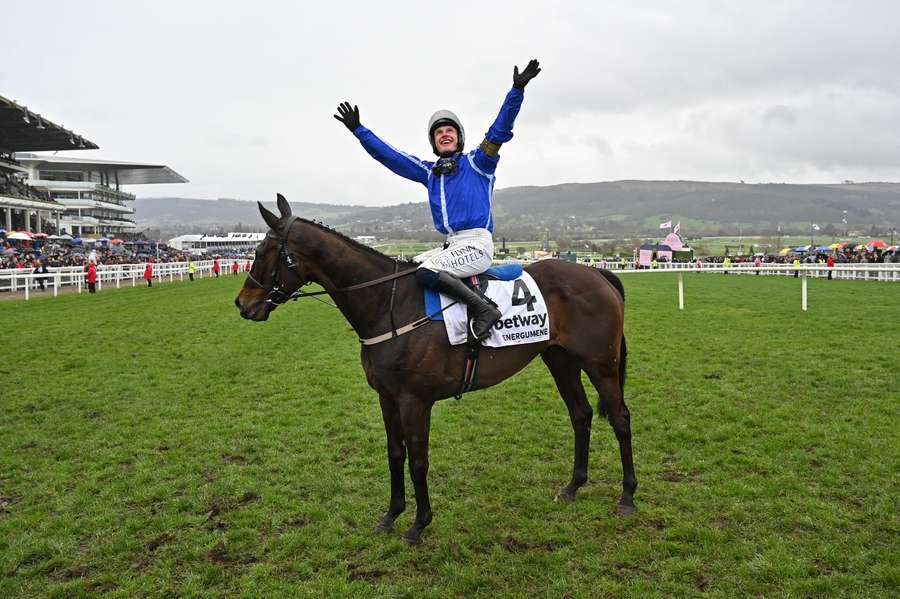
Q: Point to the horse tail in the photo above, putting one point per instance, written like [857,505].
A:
[623,359]
[623,348]
[614,280]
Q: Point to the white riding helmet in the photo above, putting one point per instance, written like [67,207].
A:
[445,117]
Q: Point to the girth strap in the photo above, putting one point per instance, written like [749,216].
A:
[405,328]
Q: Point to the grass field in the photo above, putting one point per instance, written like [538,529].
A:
[152,443]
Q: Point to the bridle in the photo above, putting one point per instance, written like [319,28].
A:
[277,294]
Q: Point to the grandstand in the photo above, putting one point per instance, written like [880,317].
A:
[90,189]
[22,130]
[79,196]
[214,244]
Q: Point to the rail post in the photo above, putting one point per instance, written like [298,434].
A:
[680,290]
[803,292]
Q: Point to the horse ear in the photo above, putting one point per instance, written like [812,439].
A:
[283,206]
[270,218]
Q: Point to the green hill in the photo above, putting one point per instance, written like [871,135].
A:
[584,209]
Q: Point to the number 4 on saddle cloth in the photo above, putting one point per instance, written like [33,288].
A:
[525,318]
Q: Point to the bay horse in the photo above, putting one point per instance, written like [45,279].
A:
[411,371]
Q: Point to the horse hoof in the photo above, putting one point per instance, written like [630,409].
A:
[564,495]
[625,510]
[412,537]
[381,527]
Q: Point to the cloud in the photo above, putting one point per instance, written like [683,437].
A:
[239,97]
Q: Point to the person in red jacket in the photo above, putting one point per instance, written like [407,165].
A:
[92,277]
[216,267]
[148,273]
[235,268]
[830,263]
[247,266]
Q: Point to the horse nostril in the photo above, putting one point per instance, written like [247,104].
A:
[237,302]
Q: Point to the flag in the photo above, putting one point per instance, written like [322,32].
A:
[815,227]
[666,225]
[677,227]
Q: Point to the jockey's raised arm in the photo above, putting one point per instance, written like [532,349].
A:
[460,193]
[400,163]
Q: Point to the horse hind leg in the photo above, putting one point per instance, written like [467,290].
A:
[608,381]
[567,375]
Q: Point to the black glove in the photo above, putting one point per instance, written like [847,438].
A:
[348,116]
[520,80]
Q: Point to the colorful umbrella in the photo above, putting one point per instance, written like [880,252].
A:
[21,235]
[39,235]
[836,246]
[115,241]
[784,251]
[801,248]
[876,243]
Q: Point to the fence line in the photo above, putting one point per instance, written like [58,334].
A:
[23,279]
[871,272]
[14,279]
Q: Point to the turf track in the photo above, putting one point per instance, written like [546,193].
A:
[152,443]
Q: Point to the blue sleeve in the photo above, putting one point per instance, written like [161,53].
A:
[485,164]
[400,163]
[501,131]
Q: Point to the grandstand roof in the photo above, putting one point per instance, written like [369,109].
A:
[129,173]
[23,130]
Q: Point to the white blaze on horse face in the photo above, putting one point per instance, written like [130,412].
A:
[446,139]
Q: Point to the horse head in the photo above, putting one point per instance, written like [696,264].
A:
[277,271]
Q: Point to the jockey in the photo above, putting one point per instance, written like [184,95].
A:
[460,189]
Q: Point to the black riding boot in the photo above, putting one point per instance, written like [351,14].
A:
[485,314]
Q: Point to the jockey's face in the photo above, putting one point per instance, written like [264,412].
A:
[446,140]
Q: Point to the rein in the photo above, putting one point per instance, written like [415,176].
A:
[277,295]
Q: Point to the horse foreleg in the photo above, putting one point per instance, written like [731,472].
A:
[416,418]
[567,375]
[396,459]
[607,385]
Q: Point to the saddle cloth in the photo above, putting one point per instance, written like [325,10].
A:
[525,317]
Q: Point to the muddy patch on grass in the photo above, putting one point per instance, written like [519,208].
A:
[219,554]
[222,506]
[294,523]
[678,476]
[514,545]
[70,573]
[357,573]
[6,501]
[159,541]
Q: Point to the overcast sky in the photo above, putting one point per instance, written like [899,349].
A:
[238,96]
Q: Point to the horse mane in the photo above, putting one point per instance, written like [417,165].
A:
[367,248]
